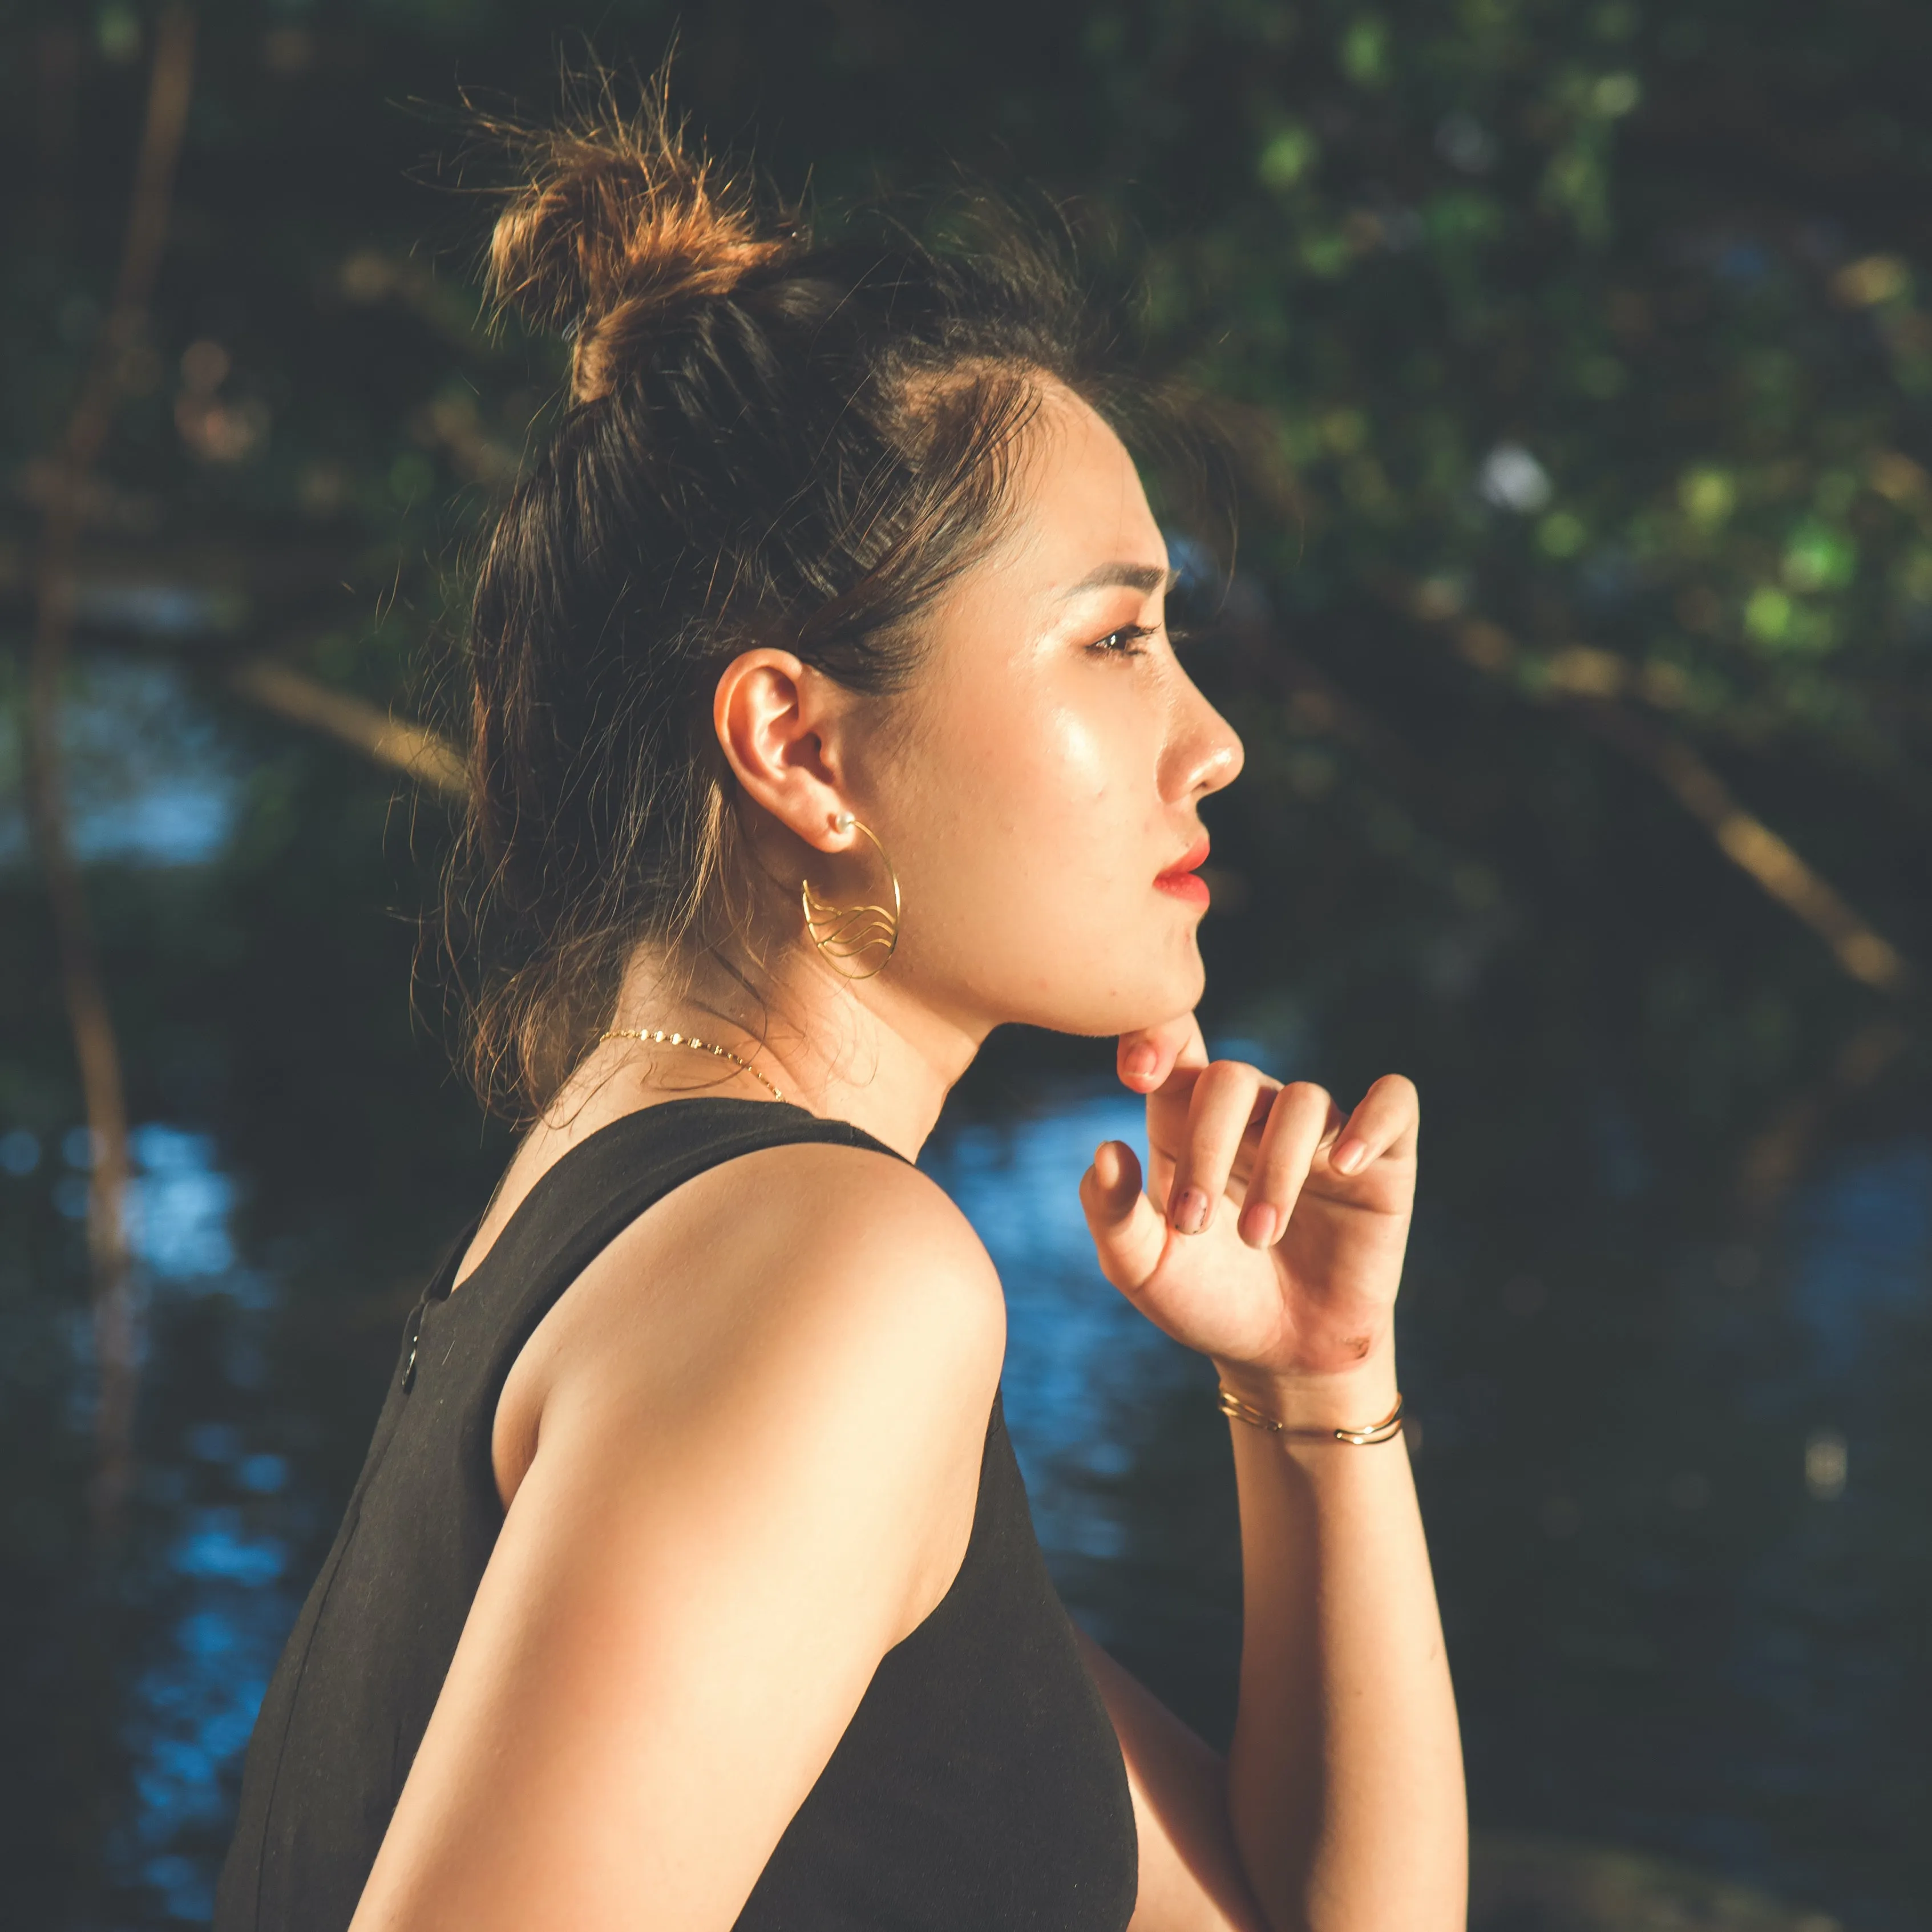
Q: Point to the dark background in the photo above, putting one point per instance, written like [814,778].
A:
[1574,365]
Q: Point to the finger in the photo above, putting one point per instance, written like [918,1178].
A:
[1219,1113]
[1387,1119]
[1130,1237]
[1146,1056]
[1303,1116]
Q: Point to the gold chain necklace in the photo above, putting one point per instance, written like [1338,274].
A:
[660,1038]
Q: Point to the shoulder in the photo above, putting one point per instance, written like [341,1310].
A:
[862,1281]
[828,1206]
[826,1301]
[825,1234]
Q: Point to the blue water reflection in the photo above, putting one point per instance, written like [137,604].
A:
[1078,1358]
[222,1595]
[179,1209]
[152,780]
[1862,1233]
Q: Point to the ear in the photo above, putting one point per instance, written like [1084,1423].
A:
[779,722]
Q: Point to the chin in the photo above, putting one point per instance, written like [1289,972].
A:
[1137,998]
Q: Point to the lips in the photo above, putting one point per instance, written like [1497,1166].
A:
[1180,879]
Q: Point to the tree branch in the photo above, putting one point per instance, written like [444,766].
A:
[115,1315]
[293,694]
[1743,838]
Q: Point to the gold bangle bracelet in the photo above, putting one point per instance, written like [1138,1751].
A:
[1235,1408]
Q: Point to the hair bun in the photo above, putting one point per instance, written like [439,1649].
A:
[617,223]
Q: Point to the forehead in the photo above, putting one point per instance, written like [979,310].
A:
[1078,500]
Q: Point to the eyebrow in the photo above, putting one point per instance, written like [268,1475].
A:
[1145,578]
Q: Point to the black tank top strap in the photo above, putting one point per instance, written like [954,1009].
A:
[581,1203]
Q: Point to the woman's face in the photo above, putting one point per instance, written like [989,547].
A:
[1043,807]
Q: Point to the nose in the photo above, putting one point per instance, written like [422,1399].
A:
[1204,751]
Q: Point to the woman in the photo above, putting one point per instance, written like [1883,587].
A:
[824,720]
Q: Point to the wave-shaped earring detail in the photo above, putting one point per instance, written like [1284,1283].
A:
[845,934]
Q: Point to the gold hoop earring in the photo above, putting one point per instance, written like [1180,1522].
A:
[853,932]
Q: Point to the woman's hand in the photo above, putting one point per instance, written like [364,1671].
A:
[1270,1234]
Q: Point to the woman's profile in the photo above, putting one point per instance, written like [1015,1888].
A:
[825,718]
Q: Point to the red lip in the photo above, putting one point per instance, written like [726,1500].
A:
[1179,878]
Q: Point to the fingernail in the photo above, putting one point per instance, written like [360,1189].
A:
[1140,1061]
[1348,1156]
[1258,1225]
[1190,1212]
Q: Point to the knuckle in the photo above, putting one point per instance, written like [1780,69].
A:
[1217,1092]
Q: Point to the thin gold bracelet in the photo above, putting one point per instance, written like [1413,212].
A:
[1233,1406]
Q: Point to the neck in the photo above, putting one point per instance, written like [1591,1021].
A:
[870,1051]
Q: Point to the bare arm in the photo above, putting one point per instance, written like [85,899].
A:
[1345,1779]
[1191,1879]
[748,1483]
[1341,1807]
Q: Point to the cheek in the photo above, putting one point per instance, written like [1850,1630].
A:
[1062,761]
[1039,774]
[1051,812]
[1035,830]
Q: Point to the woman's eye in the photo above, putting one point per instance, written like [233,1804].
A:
[1126,642]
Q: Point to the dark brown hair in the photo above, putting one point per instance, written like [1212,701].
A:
[766,440]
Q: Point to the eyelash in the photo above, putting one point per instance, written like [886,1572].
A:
[1135,634]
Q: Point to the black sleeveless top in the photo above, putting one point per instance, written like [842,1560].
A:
[979,1787]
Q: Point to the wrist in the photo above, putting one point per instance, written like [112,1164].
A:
[1351,1398]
